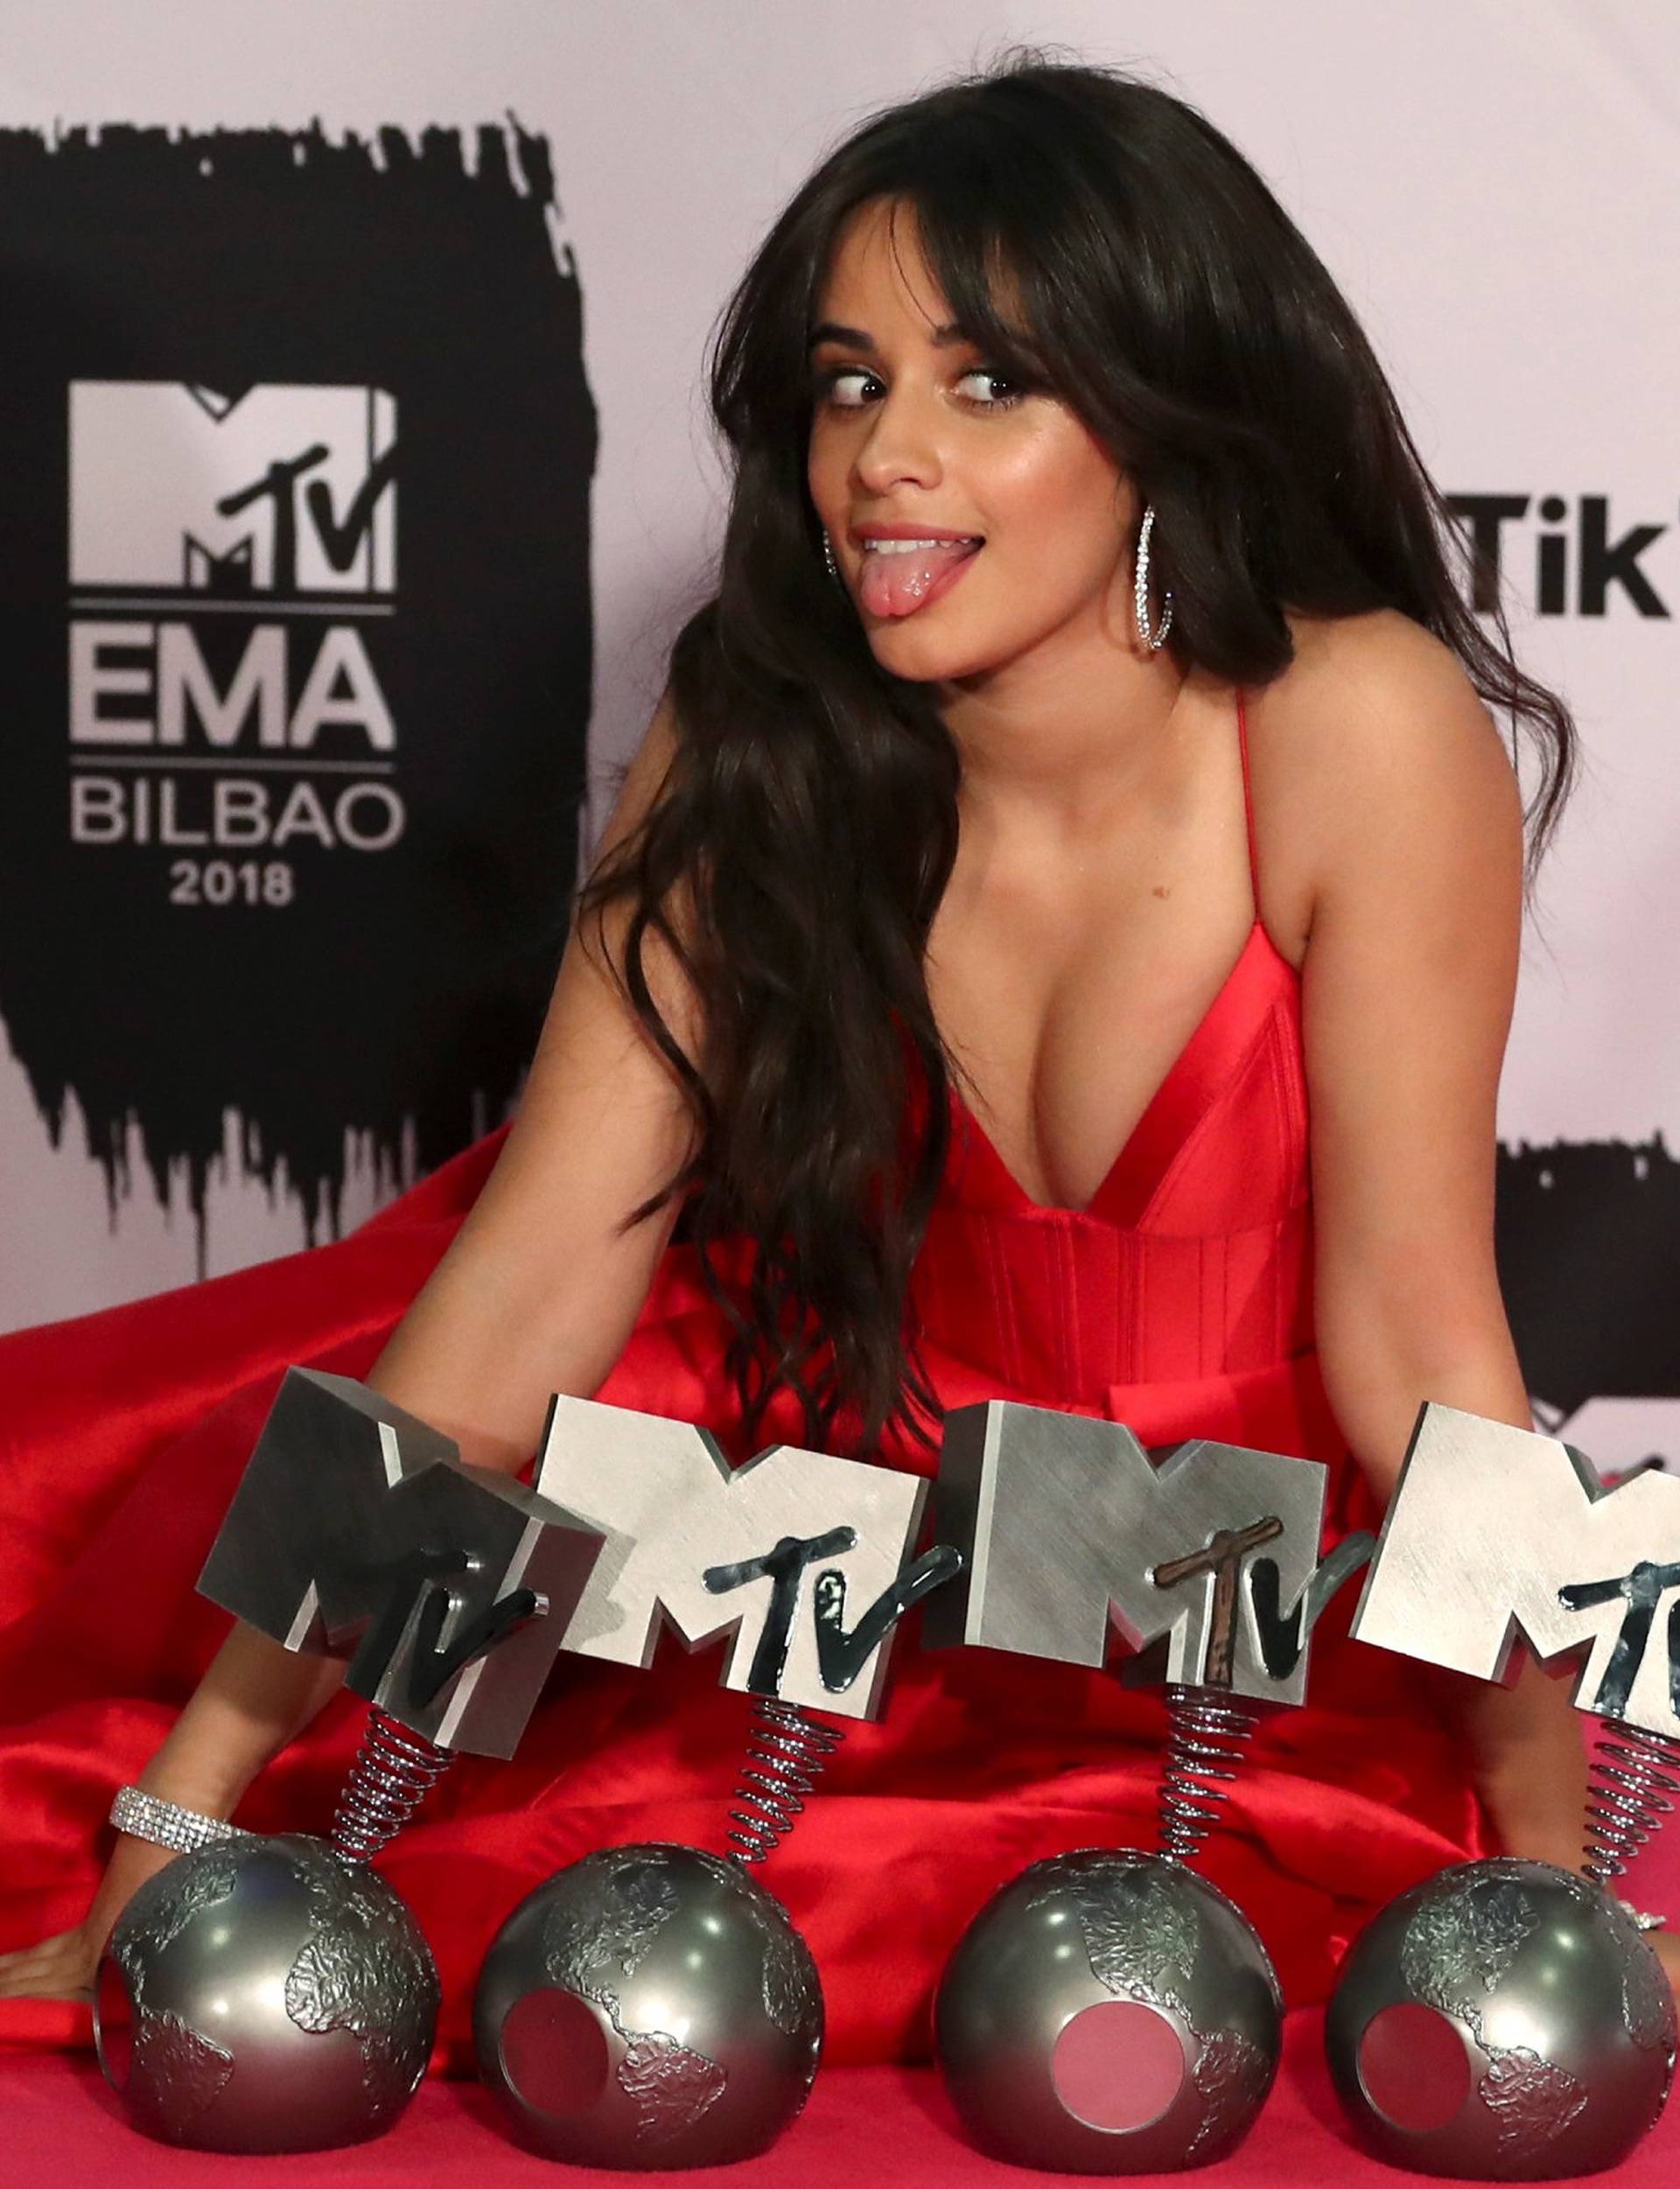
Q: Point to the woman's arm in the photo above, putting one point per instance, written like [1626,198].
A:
[539,1290]
[537,1293]
[1408,810]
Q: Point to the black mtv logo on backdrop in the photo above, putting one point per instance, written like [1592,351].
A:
[296,619]
[1588,1242]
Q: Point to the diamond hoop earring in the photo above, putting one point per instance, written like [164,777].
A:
[827,557]
[1153,640]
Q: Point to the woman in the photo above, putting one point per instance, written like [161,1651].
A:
[1085,752]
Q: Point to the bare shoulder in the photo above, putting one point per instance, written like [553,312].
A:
[1373,753]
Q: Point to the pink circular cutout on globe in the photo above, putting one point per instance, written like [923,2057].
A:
[1118,2066]
[554,2053]
[1413,2068]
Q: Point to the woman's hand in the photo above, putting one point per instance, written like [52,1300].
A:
[62,1968]
[254,1696]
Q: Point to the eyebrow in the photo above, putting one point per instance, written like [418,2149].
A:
[855,338]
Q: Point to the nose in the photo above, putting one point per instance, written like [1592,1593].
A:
[903,444]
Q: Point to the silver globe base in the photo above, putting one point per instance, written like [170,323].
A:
[649,2006]
[1503,2021]
[262,1995]
[1109,2013]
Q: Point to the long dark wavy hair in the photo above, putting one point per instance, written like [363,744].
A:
[808,820]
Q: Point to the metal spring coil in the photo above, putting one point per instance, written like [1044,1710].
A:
[1633,1776]
[786,1752]
[1205,1743]
[394,1771]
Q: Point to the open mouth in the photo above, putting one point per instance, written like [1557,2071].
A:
[900,577]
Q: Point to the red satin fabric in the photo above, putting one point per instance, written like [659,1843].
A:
[1179,1302]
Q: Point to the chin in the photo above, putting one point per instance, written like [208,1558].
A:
[930,657]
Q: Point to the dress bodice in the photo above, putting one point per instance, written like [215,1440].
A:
[1191,1260]
[1179,1299]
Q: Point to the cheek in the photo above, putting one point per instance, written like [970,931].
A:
[828,464]
[1054,498]
[817,475]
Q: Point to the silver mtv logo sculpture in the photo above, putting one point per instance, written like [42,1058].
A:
[282,489]
[1495,1534]
[1209,1560]
[776,1553]
[357,1532]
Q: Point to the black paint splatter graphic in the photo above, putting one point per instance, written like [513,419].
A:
[1588,1236]
[297,445]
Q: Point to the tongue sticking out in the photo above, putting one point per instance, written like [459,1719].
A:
[898,585]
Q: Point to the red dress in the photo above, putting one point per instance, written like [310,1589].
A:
[1179,1302]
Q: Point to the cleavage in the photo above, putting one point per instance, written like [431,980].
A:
[1058,1091]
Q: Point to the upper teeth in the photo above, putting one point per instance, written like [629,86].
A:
[903,547]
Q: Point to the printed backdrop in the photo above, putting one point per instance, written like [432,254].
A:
[296,639]
[356,476]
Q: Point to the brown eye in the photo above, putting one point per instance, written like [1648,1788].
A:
[1012,390]
[843,377]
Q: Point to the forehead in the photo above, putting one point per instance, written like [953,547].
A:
[877,265]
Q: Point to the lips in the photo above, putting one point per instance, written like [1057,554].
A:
[902,574]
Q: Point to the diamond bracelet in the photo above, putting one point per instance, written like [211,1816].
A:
[167,1823]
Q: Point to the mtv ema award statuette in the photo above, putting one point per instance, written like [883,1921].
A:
[1109,2010]
[1506,2020]
[653,2005]
[275,1994]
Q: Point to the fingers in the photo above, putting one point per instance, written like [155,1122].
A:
[53,1969]
[38,1956]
